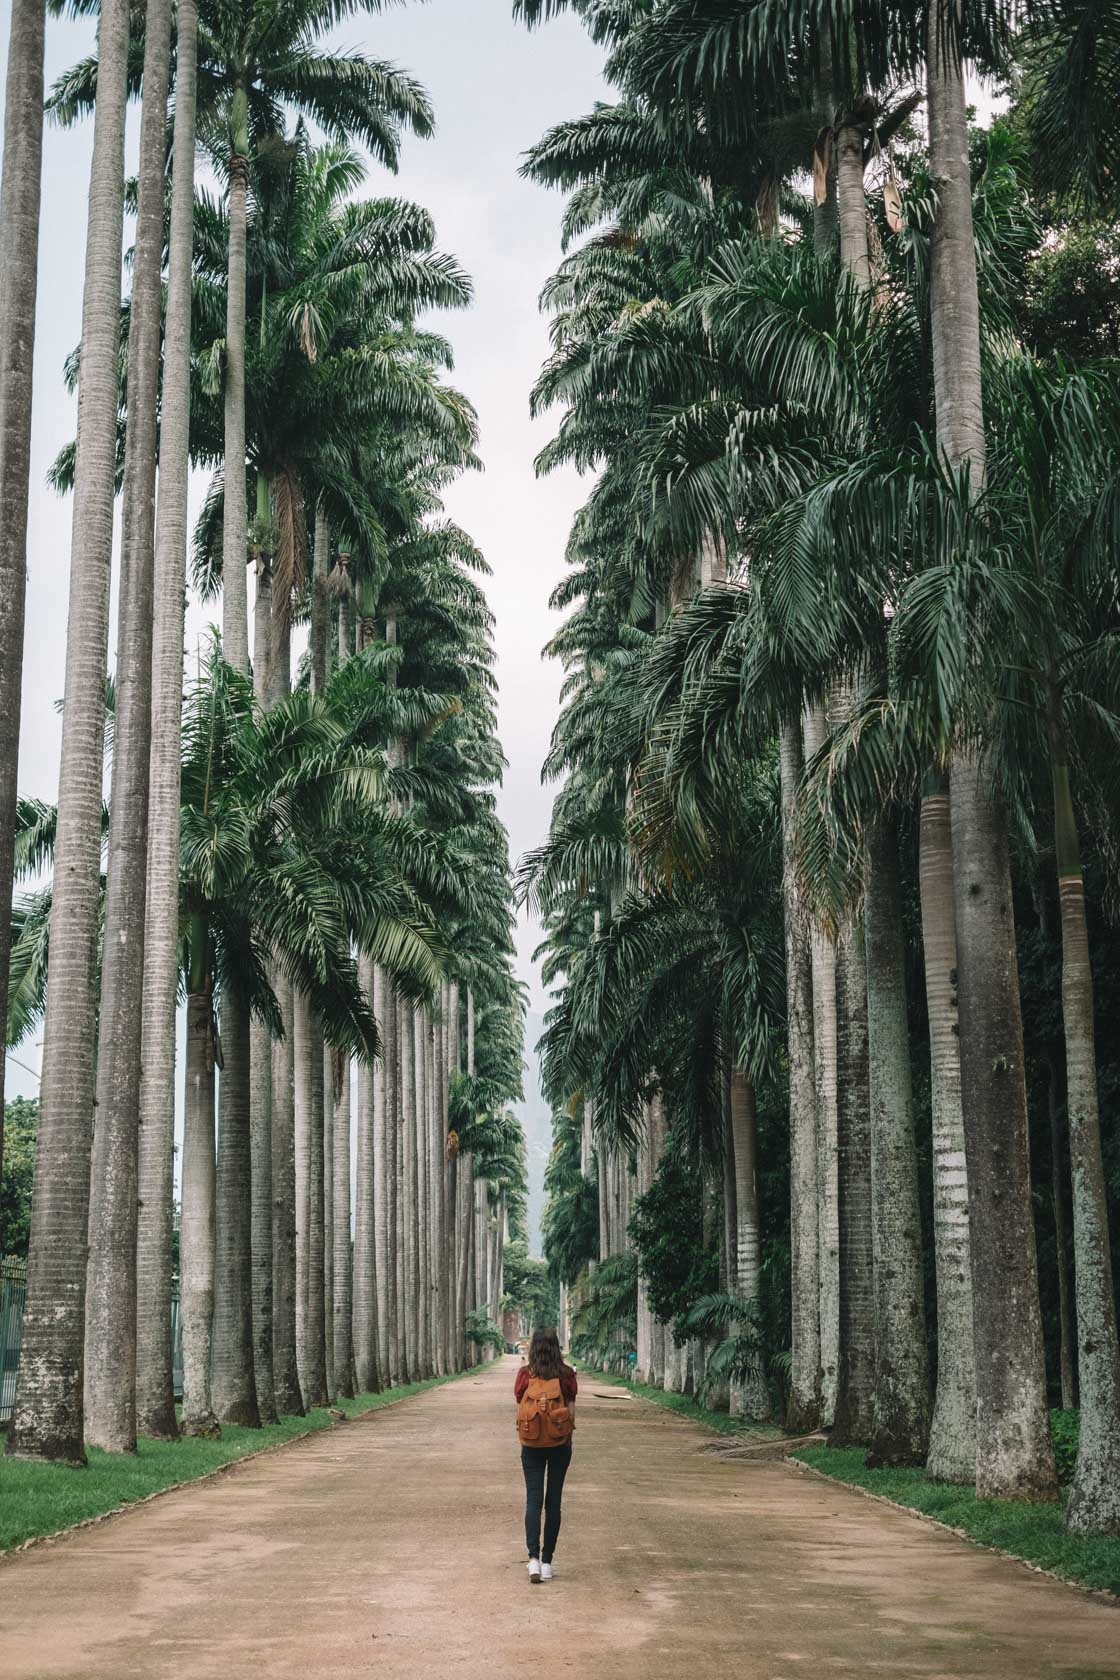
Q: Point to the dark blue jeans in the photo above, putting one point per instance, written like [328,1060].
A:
[541,1465]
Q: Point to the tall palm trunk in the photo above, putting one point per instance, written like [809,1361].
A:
[823,958]
[285,1366]
[260,1059]
[1014,1454]
[196,1227]
[365,1278]
[320,610]
[438,1157]
[110,1335]
[315,1393]
[855,1390]
[235,1395]
[328,1216]
[851,203]
[288,1391]
[155,1395]
[302,1086]
[952,1436]
[47,1416]
[901,1412]
[447,1258]
[1094,1496]
[260,1175]
[235,1221]
[342,1347]
[751,1397]
[1058,1181]
[805,1380]
[20,193]
[396,1133]
[408,1146]
[382,1201]
[658,1331]
[235,589]
[423,1192]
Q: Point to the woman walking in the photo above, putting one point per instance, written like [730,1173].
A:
[545,1390]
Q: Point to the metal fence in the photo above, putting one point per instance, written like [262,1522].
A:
[13,1293]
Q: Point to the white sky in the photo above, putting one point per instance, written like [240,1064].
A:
[496,88]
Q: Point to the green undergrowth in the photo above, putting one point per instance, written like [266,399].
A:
[40,1499]
[685,1406]
[1031,1532]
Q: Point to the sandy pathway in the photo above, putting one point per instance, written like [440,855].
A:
[392,1547]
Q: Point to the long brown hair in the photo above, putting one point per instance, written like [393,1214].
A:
[544,1354]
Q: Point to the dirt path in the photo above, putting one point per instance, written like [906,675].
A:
[392,1547]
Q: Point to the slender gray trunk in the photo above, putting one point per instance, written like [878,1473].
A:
[805,1378]
[901,1411]
[110,1333]
[260,1176]
[1093,1506]
[235,588]
[285,1368]
[328,1216]
[155,1396]
[855,1391]
[234,1391]
[196,1226]
[423,1191]
[20,193]
[302,1088]
[438,1158]
[320,611]
[382,1204]
[851,204]
[260,1074]
[411,1258]
[315,1393]
[823,956]
[1067,1357]
[751,1397]
[1014,1454]
[365,1279]
[342,1347]
[47,1415]
[952,1438]
[285,1365]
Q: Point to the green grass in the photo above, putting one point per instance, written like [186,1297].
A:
[1031,1532]
[684,1404]
[43,1498]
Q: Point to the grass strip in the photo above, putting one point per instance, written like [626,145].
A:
[37,1499]
[1033,1533]
[720,1423]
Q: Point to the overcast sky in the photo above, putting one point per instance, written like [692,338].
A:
[496,88]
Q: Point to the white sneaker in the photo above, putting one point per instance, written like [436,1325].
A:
[535,1571]
[546,1572]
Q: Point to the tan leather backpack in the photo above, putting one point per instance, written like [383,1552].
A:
[544,1418]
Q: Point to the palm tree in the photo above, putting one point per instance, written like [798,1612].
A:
[47,1418]
[155,1399]
[19,254]
[1039,641]
[110,1336]
[1014,1455]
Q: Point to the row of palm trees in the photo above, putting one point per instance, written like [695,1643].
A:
[848,572]
[309,857]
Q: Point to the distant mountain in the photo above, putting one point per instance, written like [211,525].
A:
[536,1121]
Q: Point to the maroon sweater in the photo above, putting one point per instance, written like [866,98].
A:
[569,1387]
